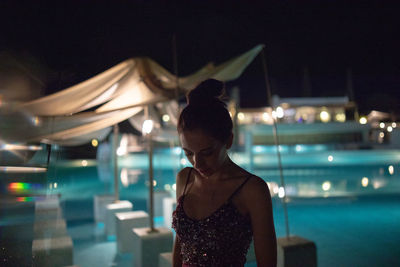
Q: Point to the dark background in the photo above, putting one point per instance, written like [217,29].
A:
[63,43]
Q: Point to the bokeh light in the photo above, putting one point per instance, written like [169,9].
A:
[363,120]
[364,181]
[95,143]
[326,185]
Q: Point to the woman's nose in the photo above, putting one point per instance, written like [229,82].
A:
[197,161]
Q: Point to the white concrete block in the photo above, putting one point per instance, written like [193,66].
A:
[165,259]
[48,208]
[147,246]
[158,202]
[49,228]
[52,252]
[296,251]
[126,221]
[169,205]
[111,209]
[99,206]
[44,214]
[49,202]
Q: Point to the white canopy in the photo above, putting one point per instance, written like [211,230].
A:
[118,93]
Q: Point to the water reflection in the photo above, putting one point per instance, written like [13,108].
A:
[129,176]
[364,181]
[391,169]
[332,181]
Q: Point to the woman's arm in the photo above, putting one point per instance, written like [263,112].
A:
[180,184]
[176,257]
[259,205]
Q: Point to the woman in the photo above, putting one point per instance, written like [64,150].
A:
[220,206]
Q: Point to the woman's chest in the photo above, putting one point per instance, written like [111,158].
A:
[198,206]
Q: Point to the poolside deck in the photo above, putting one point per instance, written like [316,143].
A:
[356,231]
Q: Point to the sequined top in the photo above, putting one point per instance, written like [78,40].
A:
[221,239]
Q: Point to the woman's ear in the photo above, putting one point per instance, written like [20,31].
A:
[229,142]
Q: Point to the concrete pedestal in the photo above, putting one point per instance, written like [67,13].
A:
[126,221]
[52,252]
[165,259]
[169,205]
[49,214]
[147,246]
[49,202]
[111,209]
[49,229]
[99,206]
[296,251]
[158,202]
[48,209]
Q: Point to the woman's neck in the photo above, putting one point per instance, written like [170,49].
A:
[223,174]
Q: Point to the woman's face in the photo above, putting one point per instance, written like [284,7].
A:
[204,152]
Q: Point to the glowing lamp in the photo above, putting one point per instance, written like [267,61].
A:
[279,112]
[340,117]
[165,118]
[363,120]
[147,126]
[325,116]
[95,143]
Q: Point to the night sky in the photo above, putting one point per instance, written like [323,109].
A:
[63,44]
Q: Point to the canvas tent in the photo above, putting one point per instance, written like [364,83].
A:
[84,111]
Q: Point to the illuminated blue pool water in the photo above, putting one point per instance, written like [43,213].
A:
[307,175]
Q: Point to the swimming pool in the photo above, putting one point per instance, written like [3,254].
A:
[347,202]
[326,173]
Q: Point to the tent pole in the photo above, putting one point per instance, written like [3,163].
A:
[350,92]
[151,182]
[48,146]
[276,140]
[116,182]
[149,139]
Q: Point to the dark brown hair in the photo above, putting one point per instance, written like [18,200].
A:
[206,111]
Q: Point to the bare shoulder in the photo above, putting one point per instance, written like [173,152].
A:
[181,180]
[256,185]
[255,191]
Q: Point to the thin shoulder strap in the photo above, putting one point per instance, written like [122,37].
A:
[239,187]
[187,181]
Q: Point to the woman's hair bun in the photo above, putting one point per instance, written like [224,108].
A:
[208,91]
